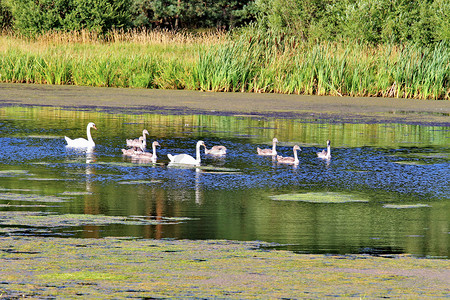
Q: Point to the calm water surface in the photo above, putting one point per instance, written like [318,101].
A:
[398,173]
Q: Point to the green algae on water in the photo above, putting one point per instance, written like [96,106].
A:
[403,206]
[12,173]
[41,219]
[319,197]
[32,197]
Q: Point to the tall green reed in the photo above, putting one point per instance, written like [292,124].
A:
[251,61]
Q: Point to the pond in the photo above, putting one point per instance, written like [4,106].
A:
[385,189]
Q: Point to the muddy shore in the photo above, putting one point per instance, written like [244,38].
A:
[113,268]
[332,109]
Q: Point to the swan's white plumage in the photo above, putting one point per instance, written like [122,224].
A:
[82,142]
[187,159]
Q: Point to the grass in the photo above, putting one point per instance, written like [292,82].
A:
[248,61]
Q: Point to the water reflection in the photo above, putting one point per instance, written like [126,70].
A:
[228,197]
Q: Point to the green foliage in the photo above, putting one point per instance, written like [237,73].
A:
[34,17]
[255,61]
[176,14]
[373,21]
[5,16]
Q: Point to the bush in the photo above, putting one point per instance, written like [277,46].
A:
[5,16]
[372,21]
[39,16]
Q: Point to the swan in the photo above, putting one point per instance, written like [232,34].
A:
[185,158]
[147,155]
[138,148]
[272,151]
[290,160]
[325,154]
[137,143]
[81,142]
[216,150]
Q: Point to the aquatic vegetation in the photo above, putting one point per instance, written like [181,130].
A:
[403,206]
[32,197]
[48,220]
[12,173]
[141,268]
[317,197]
[140,181]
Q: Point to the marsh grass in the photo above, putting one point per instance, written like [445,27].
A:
[248,61]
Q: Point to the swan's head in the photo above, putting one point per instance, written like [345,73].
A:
[296,147]
[328,143]
[155,143]
[145,132]
[275,140]
[92,125]
[201,143]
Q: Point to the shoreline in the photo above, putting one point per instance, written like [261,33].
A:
[332,109]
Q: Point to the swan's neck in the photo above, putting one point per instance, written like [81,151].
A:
[154,151]
[328,150]
[88,132]
[274,148]
[197,155]
[295,155]
[144,142]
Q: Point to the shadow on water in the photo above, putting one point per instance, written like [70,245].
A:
[385,190]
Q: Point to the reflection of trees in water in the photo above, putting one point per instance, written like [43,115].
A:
[288,131]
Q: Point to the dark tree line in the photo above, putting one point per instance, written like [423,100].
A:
[38,16]
[372,21]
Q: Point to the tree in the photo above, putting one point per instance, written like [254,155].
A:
[38,16]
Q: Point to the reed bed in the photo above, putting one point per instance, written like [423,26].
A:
[222,62]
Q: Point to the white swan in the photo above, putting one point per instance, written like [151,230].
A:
[216,150]
[325,154]
[185,158]
[272,151]
[290,160]
[146,156]
[81,142]
[138,143]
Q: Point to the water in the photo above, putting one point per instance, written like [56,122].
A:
[398,173]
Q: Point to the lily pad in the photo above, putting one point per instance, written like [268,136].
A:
[318,197]
[31,197]
[402,206]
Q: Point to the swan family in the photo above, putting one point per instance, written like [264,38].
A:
[137,150]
